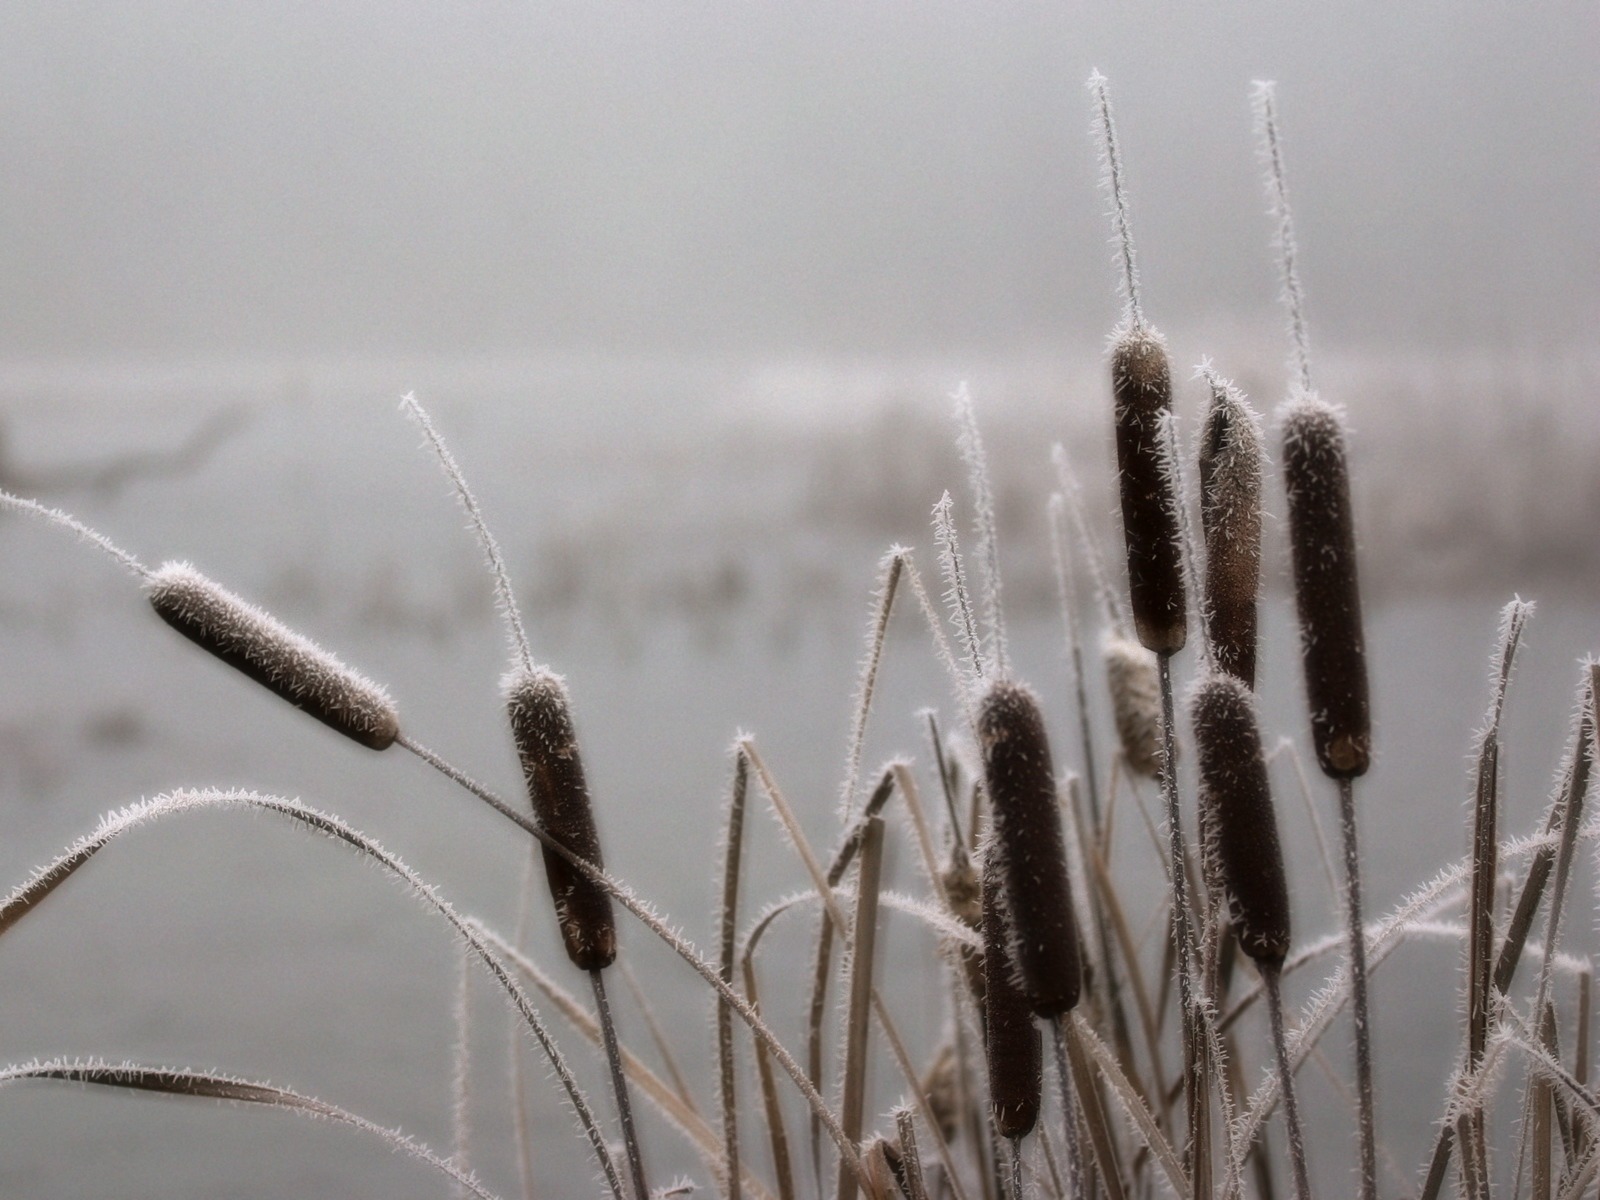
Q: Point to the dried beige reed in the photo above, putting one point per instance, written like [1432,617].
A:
[1011,1039]
[541,726]
[1132,677]
[1141,388]
[1231,458]
[1028,843]
[1323,548]
[256,643]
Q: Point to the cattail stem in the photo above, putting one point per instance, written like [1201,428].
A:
[728,935]
[1358,992]
[1069,1107]
[1194,1059]
[619,1084]
[1265,100]
[1015,1146]
[1271,977]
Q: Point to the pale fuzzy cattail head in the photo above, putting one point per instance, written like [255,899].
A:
[1028,846]
[1323,545]
[256,643]
[541,726]
[1141,388]
[1231,457]
[1134,680]
[941,1087]
[1011,1040]
[1241,832]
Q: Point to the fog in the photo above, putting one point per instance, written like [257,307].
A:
[266,180]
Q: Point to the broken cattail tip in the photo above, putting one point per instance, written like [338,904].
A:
[256,643]
[1030,848]
[547,745]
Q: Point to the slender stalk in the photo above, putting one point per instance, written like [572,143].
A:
[732,851]
[1196,1084]
[1069,1107]
[619,1083]
[1015,1146]
[1271,977]
[863,942]
[1358,983]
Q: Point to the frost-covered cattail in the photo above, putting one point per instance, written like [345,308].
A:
[541,726]
[1241,831]
[1323,544]
[1011,1040]
[1028,844]
[255,642]
[1230,518]
[1133,679]
[1141,388]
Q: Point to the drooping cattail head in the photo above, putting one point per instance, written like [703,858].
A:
[1241,832]
[1323,545]
[1029,848]
[1133,678]
[1011,1040]
[1230,518]
[1141,389]
[541,726]
[256,643]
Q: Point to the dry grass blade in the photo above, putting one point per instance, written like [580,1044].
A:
[858,1021]
[910,1173]
[664,1095]
[27,896]
[889,572]
[205,1085]
[728,923]
[777,1131]
[1086,1090]
[1133,1106]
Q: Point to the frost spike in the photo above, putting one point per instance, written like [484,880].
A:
[256,643]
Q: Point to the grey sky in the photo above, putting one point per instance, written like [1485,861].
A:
[356,177]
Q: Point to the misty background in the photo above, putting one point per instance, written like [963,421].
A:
[687,288]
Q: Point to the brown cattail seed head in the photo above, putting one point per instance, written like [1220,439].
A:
[1011,1040]
[941,1087]
[1230,520]
[1141,388]
[541,726]
[253,641]
[1027,841]
[1241,832]
[1323,545]
[1134,680]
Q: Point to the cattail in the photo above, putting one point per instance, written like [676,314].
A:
[1011,1040]
[1230,520]
[541,726]
[1322,539]
[1135,686]
[1240,829]
[964,894]
[253,641]
[941,1087]
[1027,841]
[1141,387]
